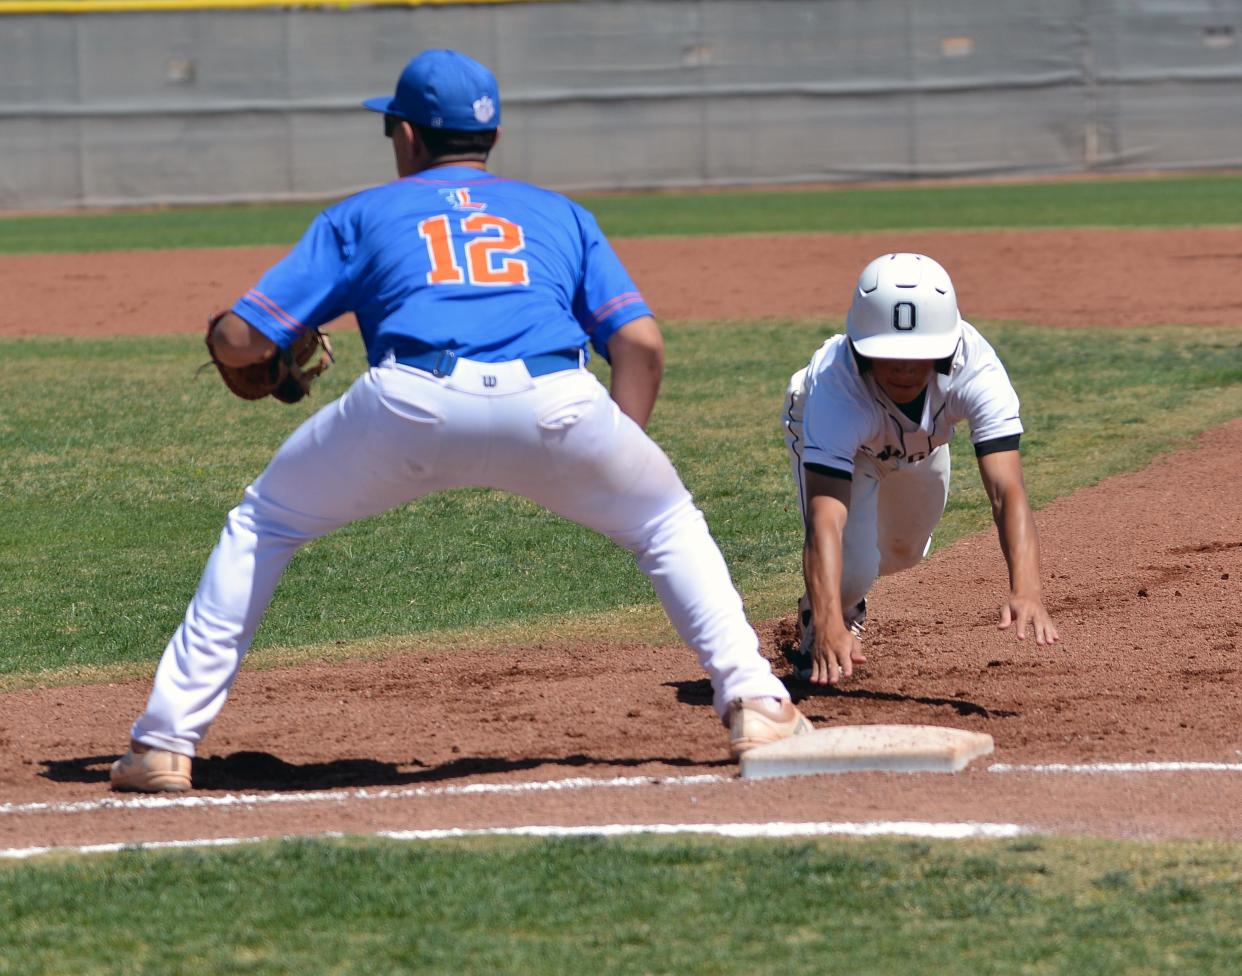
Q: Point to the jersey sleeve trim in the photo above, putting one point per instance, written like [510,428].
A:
[611,317]
[612,306]
[996,445]
[286,327]
[995,429]
[817,456]
[829,471]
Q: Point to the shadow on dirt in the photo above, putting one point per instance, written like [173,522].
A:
[263,771]
[699,692]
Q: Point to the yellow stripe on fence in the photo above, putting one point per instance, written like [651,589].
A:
[147,6]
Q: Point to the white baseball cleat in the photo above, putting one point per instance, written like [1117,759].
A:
[145,769]
[758,721]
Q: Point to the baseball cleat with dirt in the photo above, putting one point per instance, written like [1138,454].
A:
[800,657]
[144,769]
[758,721]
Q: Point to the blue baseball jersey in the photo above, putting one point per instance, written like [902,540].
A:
[451,258]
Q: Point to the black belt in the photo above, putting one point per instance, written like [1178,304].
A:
[442,362]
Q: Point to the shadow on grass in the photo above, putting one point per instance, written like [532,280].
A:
[263,771]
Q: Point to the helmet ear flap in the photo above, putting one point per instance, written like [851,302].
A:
[861,361]
[945,366]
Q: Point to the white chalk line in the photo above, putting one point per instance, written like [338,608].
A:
[21,853]
[1121,767]
[200,801]
[901,828]
[905,828]
[942,831]
[203,801]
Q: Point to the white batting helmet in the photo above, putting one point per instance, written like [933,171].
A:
[904,308]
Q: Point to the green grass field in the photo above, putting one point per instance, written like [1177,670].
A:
[1026,906]
[1187,201]
[146,458]
[115,493]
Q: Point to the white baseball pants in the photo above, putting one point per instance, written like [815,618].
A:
[892,511]
[399,433]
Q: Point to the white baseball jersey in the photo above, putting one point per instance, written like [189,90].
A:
[844,413]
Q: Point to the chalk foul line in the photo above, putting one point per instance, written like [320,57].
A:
[1120,767]
[205,801]
[941,831]
[202,801]
[902,828]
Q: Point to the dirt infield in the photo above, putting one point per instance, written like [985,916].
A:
[1063,278]
[1143,574]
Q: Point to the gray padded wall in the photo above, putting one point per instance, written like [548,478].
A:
[238,105]
[1169,82]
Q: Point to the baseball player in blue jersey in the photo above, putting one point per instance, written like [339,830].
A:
[868,424]
[476,298]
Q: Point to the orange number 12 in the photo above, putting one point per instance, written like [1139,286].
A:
[489,258]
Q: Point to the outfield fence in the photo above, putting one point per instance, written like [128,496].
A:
[129,102]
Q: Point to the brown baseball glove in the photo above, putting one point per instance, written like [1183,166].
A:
[286,376]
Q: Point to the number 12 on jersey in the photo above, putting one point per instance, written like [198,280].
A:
[490,257]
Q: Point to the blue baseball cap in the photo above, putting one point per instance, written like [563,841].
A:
[445,90]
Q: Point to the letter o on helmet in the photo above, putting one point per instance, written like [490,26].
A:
[904,308]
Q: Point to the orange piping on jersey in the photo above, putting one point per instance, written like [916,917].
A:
[626,298]
[468,181]
[277,312]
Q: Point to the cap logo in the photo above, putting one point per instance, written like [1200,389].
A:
[484,109]
[904,318]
